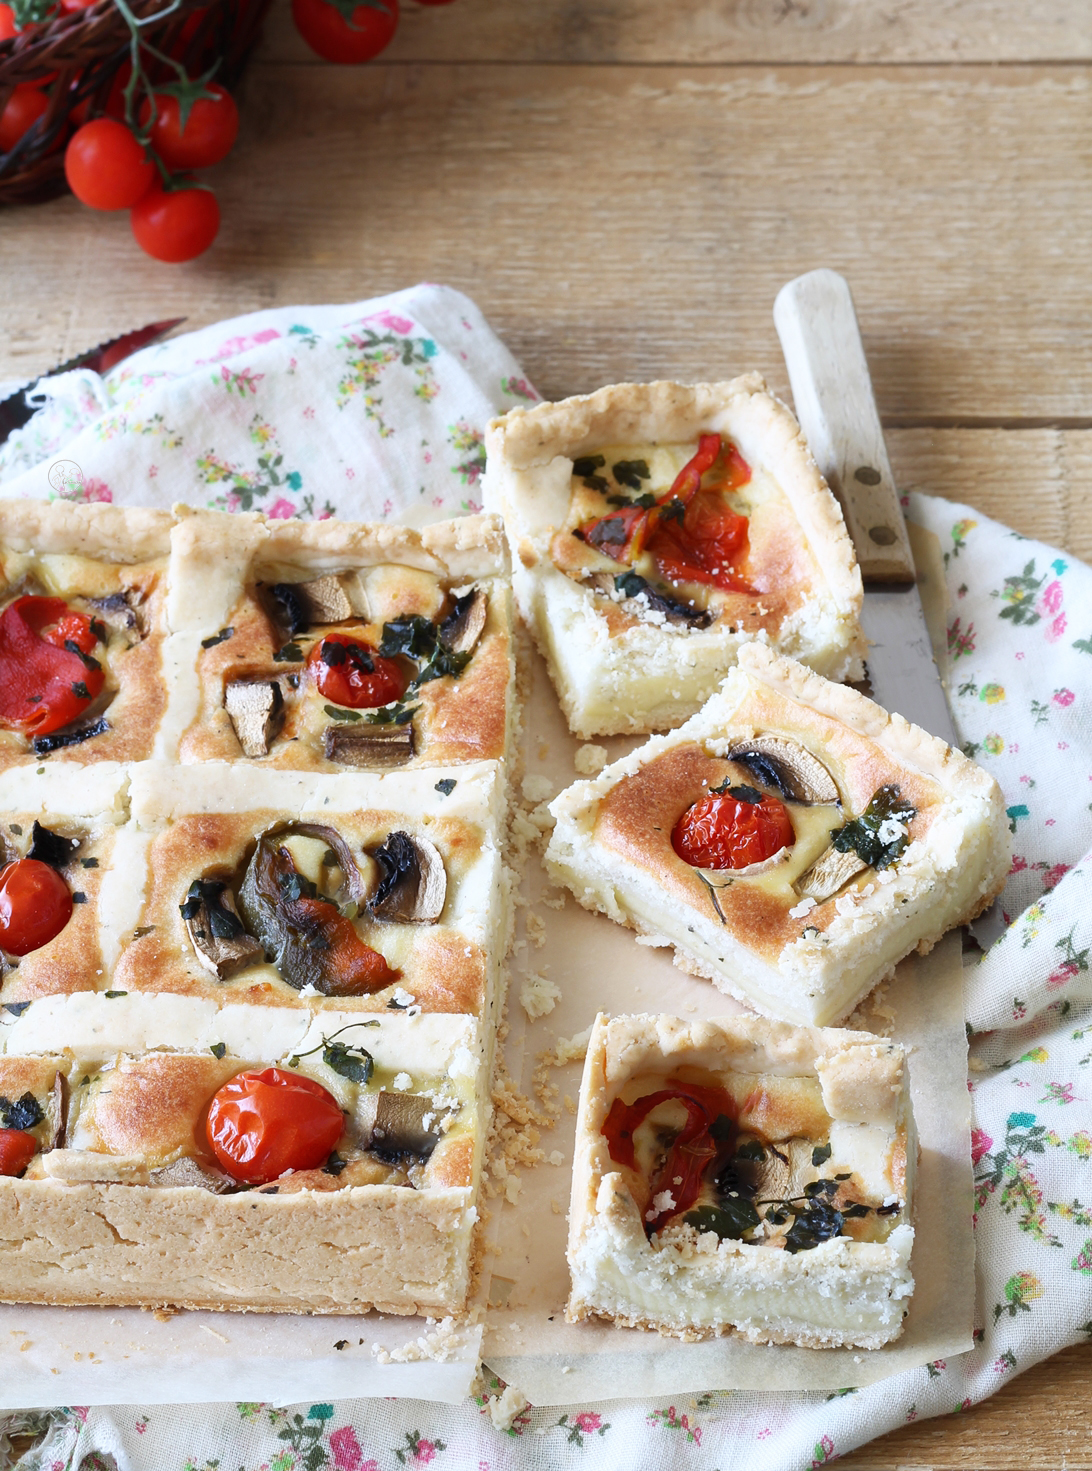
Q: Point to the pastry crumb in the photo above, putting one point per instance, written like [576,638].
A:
[537,789]
[590,759]
[504,1408]
[538,996]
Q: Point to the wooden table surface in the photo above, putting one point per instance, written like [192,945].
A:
[623,185]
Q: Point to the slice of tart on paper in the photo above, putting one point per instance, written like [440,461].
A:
[327,1163]
[743,1175]
[83,595]
[792,841]
[658,528]
[332,645]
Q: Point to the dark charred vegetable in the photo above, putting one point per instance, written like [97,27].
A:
[413,883]
[24,1113]
[50,847]
[633,585]
[394,1125]
[305,935]
[43,745]
[116,610]
[631,472]
[216,932]
[288,607]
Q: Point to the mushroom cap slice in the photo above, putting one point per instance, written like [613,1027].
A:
[256,711]
[787,766]
[830,872]
[394,1124]
[324,600]
[413,886]
[218,936]
[58,1118]
[370,747]
[188,1171]
[463,626]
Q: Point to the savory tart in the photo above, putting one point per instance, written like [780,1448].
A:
[82,631]
[330,1168]
[792,841]
[374,891]
[743,1176]
[330,645]
[658,528]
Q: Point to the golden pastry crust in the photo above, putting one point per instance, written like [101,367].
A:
[808,960]
[684,1282]
[619,667]
[103,533]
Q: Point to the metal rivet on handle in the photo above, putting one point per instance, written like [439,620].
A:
[882,535]
[867,475]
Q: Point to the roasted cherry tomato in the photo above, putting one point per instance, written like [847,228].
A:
[48,674]
[17,1149]
[23,109]
[210,130]
[701,544]
[35,905]
[349,672]
[722,831]
[261,1124]
[106,167]
[343,34]
[175,225]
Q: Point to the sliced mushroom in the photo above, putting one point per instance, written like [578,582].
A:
[50,847]
[257,713]
[59,1113]
[413,885]
[830,872]
[779,1176]
[58,740]
[116,611]
[462,628]
[394,1124]
[788,767]
[329,599]
[216,932]
[325,600]
[370,747]
[637,589]
[188,1171]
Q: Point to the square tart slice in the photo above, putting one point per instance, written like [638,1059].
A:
[375,892]
[369,1201]
[792,841]
[328,645]
[743,1176]
[59,824]
[83,593]
[658,528]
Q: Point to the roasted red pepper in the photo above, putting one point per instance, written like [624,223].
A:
[708,1135]
[48,673]
[613,534]
[724,831]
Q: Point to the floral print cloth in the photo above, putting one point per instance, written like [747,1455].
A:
[1020,668]
[372,411]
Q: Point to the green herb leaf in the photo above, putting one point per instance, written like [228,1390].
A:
[721,1128]
[335,712]
[881,833]
[354,1063]
[586,465]
[819,1222]
[218,1049]
[86,660]
[820,1154]
[729,1218]
[113,995]
[289,653]
[335,1164]
[673,511]
[631,473]
[751,1149]
[446,786]
[413,636]
[646,501]
[217,638]
[24,1113]
[80,690]
[89,863]
[398,714]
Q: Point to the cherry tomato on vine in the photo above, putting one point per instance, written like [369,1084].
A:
[176,225]
[723,831]
[24,107]
[48,672]
[17,1149]
[348,671]
[345,34]
[35,905]
[8,28]
[209,134]
[106,167]
[261,1124]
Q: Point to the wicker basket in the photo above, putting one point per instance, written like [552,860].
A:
[85,50]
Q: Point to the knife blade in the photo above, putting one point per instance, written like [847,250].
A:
[832,391]
[15,411]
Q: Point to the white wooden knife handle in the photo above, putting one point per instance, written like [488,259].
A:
[836,408]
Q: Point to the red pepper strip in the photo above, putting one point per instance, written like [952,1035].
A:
[613,534]
[690,1153]
[47,674]
[352,968]
[688,480]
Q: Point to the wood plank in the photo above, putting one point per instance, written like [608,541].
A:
[599,32]
[638,222]
[1037,1422]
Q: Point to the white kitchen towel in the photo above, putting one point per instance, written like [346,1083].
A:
[1020,672]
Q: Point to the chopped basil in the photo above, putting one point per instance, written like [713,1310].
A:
[646,500]
[446,786]
[880,834]
[78,898]
[398,714]
[217,638]
[631,473]
[741,792]
[89,863]
[80,690]
[16,828]
[729,1218]
[335,1164]
[586,465]
[113,995]
[289,653]
[354,1063]
[16,1007]
[413,636]
[673,511]
[751,1149]
[24,1113]
[86,660]
[820,1154]
[335,712]
[218,1049]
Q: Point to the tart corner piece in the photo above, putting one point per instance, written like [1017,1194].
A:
[792,842]
[743,1176]
[658,528]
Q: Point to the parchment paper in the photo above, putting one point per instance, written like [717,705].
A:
[599,966]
